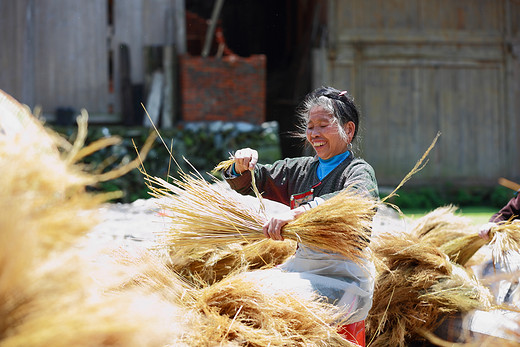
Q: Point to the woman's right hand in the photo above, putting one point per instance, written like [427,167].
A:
[485,229]
[273,227]
[245,159]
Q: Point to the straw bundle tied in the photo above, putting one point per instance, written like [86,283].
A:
[45,180]
[441,225]
[415,289]
[239,311]
[47,294]
[503,239]
[462,249]
[204,216]
[205,266]
[61,305]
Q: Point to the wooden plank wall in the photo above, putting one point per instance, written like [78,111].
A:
[58,50]
[16,65]
[512,43]
[146,23]
[59,53]
[419,67]
[71,54]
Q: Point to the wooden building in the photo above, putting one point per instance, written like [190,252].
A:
[67,54]
[419,67]
[415,68]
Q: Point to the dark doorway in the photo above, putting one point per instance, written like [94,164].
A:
[284,31]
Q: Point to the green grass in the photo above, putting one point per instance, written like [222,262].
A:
[478,214]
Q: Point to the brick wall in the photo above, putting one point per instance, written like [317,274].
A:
[231,88]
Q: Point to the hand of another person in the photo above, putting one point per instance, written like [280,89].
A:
[273,227]
[485,229]
[245,159]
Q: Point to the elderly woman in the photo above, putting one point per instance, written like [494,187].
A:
[330,123]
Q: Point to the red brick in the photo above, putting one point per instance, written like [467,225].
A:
[228,89]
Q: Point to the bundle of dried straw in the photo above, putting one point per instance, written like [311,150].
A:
[415,289]
[202,215]
[204,266]
[503,239]
[441,225]
[41,173]
[47,293]
[239,311]
[63,304]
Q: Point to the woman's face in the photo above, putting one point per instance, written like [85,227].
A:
[323,133]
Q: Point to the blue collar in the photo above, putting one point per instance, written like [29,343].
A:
[325,166]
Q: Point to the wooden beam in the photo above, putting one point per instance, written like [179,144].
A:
[508,184]
[153,102]
[211,28]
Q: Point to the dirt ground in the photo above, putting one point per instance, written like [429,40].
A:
[128,226]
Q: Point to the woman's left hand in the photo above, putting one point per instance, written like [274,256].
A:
[273,227]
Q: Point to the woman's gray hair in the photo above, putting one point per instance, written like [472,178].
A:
[340,105]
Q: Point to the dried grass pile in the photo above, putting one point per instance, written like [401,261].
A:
[235,311]
[458,238]
[204,216]
[48,293]
[454,234]
[416,288]
[62,305]
[504,239]
[423,278]
[41,191]
[239,311]
[441,225]
[207,265]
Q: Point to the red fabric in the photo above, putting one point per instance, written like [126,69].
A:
[354,332]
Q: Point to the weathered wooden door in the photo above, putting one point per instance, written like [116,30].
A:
[421,67]
[58,55]
[65,53]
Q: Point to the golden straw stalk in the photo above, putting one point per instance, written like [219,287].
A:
[48,294]
[226,164]
[461,249]
[204,216]
[503,238]
[240,310]
[415,289]
[441,225]
[210,265]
